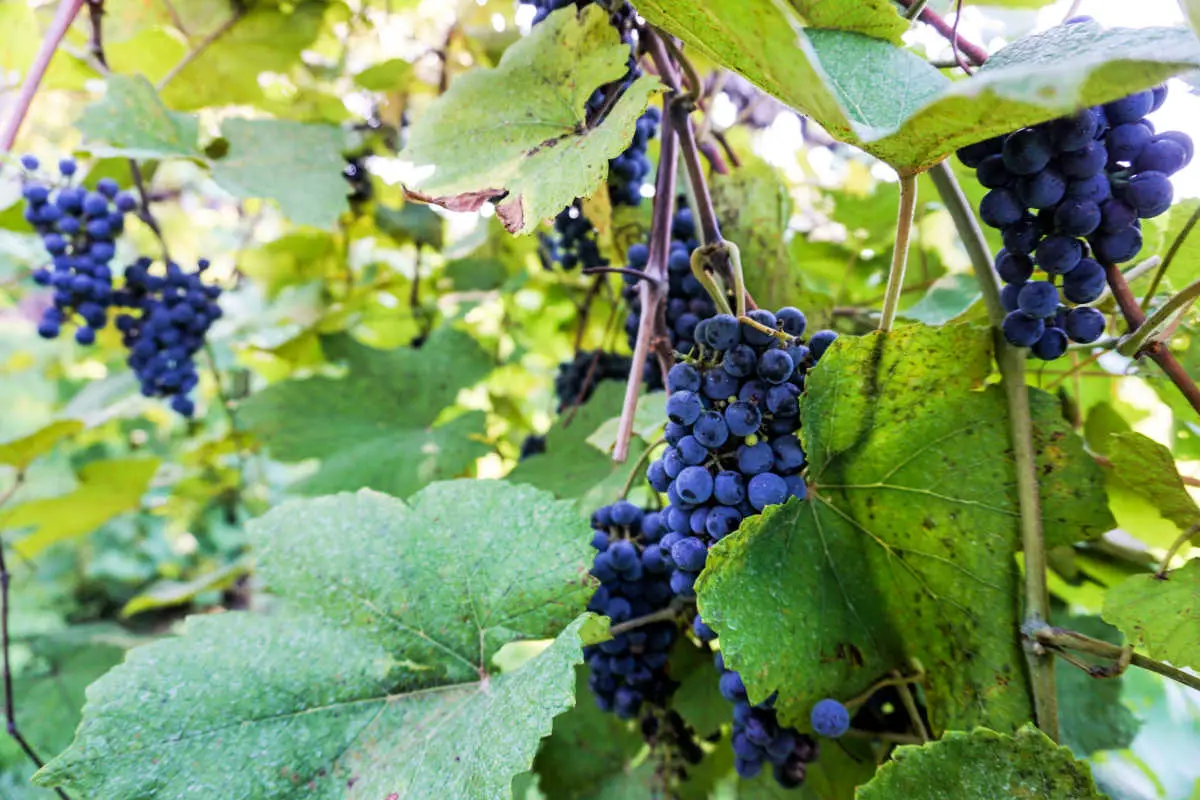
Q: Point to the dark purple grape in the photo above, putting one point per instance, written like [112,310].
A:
[1021,330]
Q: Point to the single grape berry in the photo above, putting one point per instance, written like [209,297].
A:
[1022,330]
[830,718]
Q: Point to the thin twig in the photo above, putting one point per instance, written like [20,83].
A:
[1172,251]
[10,703]
[636,469]
[633,273]
[662,615]
[910,705]
[915,9]
[962,64]
[974,52]
[205,43]
[884,736]
[1176,546]
[1137,340]
[904,221]
[1158,351]
[585,312]
[651,291]
[1012,369]
[63,17]
[1061,639]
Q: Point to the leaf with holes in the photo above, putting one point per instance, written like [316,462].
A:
[375,428]
[907,545]
[984,764]
[896,106]
[371,682]
[519,133]
[1160,614]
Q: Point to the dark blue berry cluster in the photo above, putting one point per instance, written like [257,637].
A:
[759,739]
[629,171]
[688,303]
[573,243]
[169,317]
[630,669]
[1069,196]
[733,450]
[77,227]
[578,378]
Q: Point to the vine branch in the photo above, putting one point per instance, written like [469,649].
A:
[1172,251]
[904,221]
[651,291]
[1157,351]
[1061,639]
[1140,338]
[974,53]
[63,17]
[1012,369]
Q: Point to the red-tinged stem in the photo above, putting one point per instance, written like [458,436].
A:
[976,54]
[1158,352]
[63,17]
[652,291]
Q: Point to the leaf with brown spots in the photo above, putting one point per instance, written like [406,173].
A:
[907,546]
[519,134]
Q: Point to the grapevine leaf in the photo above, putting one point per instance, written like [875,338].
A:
[1091,714]
[949,297]
[392,75]
[755,207]
[647,421]
[520,131]
[984,763]
[910,532]
[1160,614]
[1185,266]
[375,428]
[106,489]
[896,106]
[20,453]
[879,19]
[167,593]
[586,748]
[571,467]
[698,699]
[299,257]
[297,165]
[362,682]
[268,37]
[1146,468]
[412,222]
[131,121]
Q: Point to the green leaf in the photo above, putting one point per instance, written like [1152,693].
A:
[698,698]
[412,222]
[648,420]
[375,428]
[896,106]
[754,206]
[587,747]
[295,164]
[168,593]
[106,489]
[364,682]
[907,545]
[1091,714]
[476,274]
[879,19]
[984,764]
[572,468]
[269,37]
[1185,266]
[299,257]
[520,131]
[949,297]
[20,453]
[392,75]
[1192,9]
[1161,615]
[1147,468]
[131,121]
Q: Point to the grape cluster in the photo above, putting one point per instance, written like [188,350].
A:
[733,450]
[759,739]
[169,317]
[688,303]
[77,227]
[630,669]
[629,171]
[578,378]
[1069,196]
[573,242]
